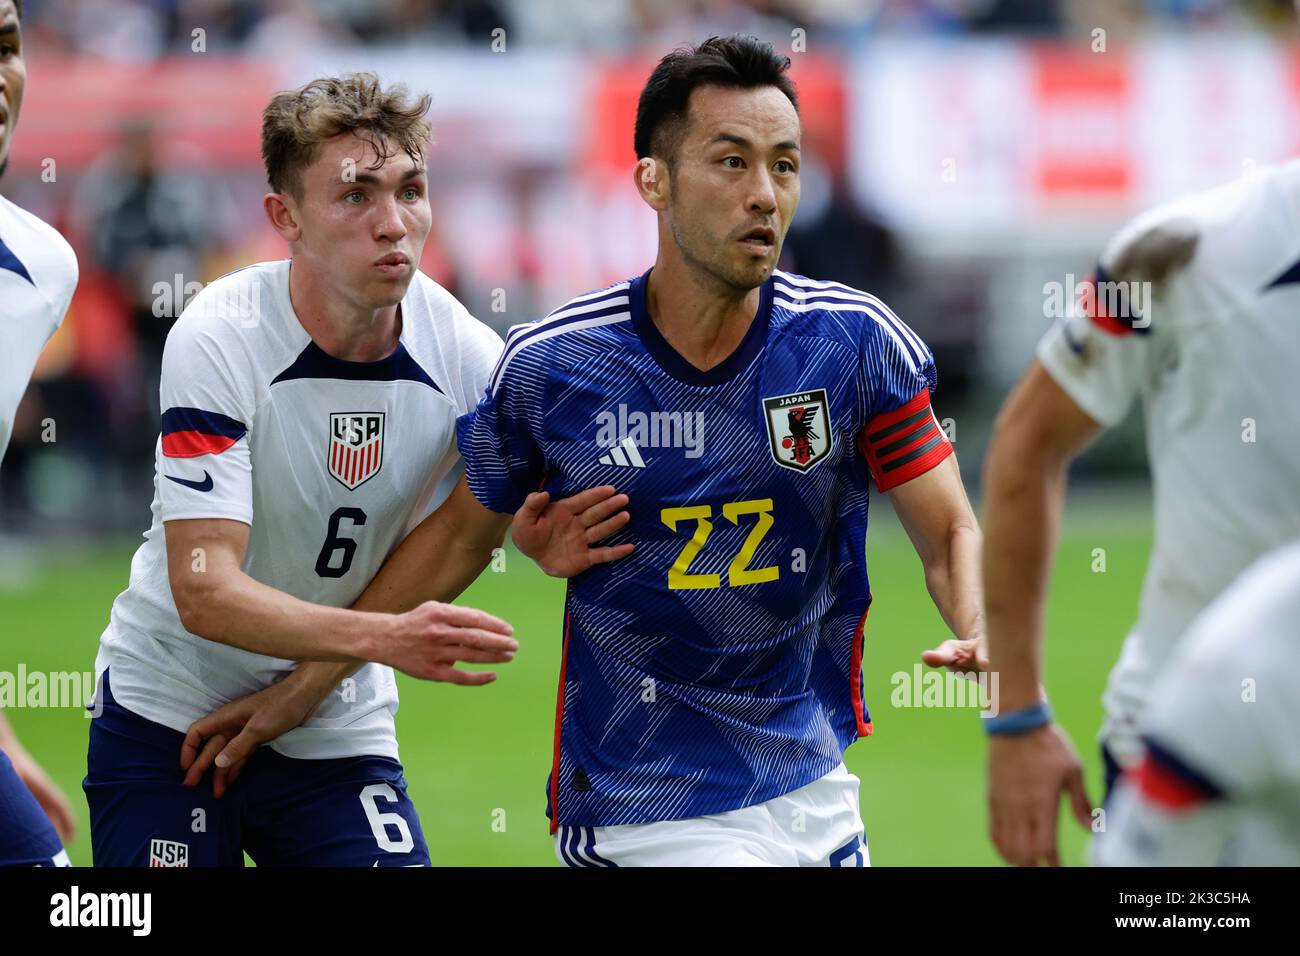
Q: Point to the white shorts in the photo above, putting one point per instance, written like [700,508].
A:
[817,825]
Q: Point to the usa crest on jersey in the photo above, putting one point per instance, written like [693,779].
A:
[356,451]
[799,428]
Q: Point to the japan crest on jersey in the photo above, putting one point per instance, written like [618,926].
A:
[799,428]
[356,451]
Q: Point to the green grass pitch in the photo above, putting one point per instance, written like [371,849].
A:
[477,758]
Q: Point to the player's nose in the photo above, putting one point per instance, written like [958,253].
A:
[762,195]
[388,224]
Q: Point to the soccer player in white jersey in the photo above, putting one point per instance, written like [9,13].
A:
[1193,309]
[309,408]
[1219,781]
[38,273]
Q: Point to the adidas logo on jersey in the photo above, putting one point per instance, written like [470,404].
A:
[625,454]
[651,429]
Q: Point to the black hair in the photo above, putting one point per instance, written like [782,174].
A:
[737,62]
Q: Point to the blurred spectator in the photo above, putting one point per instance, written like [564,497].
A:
[154,228]
[296,25]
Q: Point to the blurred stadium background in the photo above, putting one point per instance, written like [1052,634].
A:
[960,155]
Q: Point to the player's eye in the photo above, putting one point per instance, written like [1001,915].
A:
[734,162]
[411,193]
[354,197]
[785,166]
[7,50]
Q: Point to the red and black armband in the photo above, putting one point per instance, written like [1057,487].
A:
[903,443]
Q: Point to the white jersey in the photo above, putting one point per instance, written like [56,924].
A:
[1216,368]
[330,462]
[1220,783]
[38,273]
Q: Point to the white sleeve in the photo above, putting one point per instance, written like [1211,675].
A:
[480,348]
[1119,332]
[23,341]
[1102,373]
[205,468]
[28,322]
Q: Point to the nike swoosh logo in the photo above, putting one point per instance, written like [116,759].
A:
[204,485]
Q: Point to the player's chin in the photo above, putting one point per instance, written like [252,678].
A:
[755,270]
[389,290]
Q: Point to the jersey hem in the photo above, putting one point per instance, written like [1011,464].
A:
[724,806]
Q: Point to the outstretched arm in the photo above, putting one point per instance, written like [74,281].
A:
[435,563]
[937,516]
[217,600]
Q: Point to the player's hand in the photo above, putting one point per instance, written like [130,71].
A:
[960,657]
[46,792]
[428,641]
[1027,775]
[562,536]
[226,738]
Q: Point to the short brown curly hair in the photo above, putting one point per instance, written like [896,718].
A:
[297,122]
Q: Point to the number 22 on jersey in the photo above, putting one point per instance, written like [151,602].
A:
[738,572]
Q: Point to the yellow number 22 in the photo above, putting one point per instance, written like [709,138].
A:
[738,572]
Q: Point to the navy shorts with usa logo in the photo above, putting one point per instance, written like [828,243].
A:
[351,811]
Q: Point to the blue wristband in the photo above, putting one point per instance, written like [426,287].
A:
[1018,721]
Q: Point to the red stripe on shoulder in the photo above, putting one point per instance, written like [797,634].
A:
[192,444]
[1093,306]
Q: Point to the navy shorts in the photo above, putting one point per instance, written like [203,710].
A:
[351,811]
[27,837]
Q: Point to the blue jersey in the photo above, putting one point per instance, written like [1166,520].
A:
[719,665]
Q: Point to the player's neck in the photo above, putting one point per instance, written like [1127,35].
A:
[701,319]
[339,327]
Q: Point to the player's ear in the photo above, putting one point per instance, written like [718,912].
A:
[284,217]
[651,177]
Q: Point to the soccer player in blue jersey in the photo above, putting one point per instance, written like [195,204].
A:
[712,681]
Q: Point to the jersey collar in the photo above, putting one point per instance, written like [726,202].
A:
[671,361]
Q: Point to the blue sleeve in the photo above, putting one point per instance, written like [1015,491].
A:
[896,364]
[500,440]
[900,436]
